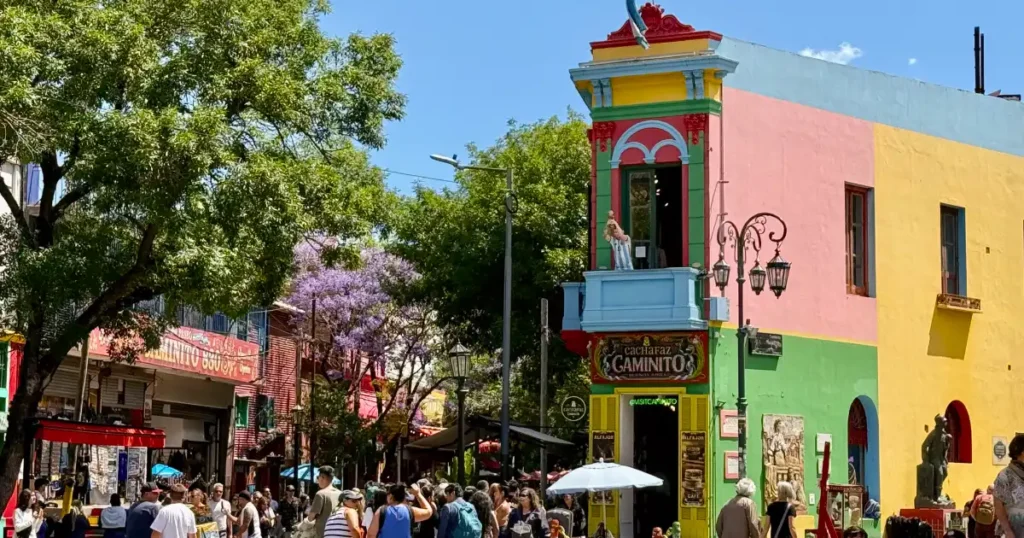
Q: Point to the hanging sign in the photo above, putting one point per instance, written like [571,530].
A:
[1000,451]
[574,408]
[647,358]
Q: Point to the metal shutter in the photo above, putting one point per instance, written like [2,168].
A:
[64,384]
[134,393]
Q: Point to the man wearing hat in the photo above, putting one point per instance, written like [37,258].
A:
[142,514]
[345,522]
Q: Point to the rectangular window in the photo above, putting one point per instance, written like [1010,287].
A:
[4,361]
[954,276]
[241,412]
[857,233]
[653,216]
[267,418]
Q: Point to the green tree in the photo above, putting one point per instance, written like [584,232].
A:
[455,239]
[198,141]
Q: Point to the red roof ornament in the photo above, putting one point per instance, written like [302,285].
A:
[661,28]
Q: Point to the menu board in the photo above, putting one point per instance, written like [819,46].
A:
[693,446]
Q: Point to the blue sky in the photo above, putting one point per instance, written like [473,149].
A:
[472,66]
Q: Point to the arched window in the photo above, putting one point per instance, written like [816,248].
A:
[959,426]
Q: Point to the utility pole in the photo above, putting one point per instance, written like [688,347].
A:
[83,387]
[312,404]
[543,392]
[297,412]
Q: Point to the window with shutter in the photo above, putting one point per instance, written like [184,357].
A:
[267,418]
[241,412]
[952,250]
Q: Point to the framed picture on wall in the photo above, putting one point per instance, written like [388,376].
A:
[732,465]
[729,424]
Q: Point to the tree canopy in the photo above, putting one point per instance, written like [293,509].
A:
[455,239]
[197,142]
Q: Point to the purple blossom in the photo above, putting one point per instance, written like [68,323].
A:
[356,306]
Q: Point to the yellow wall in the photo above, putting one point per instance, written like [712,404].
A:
[928,357]
[645,89]
[656,49]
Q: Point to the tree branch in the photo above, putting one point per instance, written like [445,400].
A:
[17,212]
[70,198]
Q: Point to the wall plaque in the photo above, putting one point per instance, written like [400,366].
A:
[768,344]
[650,358]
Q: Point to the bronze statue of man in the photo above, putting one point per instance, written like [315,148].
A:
[935,452]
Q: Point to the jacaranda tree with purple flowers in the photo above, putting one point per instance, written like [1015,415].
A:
[366,328]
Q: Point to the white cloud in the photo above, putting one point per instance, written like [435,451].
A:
[912,61]
[844,55]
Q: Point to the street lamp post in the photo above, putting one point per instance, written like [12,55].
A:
[458,359]
[776,273]
[506,315]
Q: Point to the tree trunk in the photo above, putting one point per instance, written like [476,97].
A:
[23,409]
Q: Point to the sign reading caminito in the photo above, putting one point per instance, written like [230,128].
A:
[573,408]
[646,358]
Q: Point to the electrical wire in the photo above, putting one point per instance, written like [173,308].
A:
[418,176]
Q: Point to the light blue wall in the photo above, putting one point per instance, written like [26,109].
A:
[958,115]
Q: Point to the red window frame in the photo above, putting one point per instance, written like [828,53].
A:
[853,236]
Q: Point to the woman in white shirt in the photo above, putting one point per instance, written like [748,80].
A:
[28,517]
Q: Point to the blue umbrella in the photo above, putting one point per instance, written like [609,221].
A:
[163,471]
[304,471]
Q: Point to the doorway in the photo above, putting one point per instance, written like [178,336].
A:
[653,215]
[656,452]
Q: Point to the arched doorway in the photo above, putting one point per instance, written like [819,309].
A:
[862,445]
[857,438]
[958,424]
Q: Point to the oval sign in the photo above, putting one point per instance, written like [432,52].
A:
[573,408]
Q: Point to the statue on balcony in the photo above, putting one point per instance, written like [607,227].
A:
[934,468]
[622,246]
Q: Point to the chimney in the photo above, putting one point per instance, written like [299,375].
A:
[978,85]
[982,55]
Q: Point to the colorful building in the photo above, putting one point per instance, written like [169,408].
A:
[876,333]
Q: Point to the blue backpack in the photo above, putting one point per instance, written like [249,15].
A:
[469,524]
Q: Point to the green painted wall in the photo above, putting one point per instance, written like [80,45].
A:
[604,204]
[816,379]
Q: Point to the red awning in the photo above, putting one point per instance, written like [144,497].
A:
[83,433]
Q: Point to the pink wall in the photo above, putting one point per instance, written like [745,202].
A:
[794,161]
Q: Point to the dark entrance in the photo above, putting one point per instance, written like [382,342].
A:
[653,215]
[656,452]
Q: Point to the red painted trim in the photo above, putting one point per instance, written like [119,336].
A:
[82,433]
[684,177]
[661,28]
[629,42]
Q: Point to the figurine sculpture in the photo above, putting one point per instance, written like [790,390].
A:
[622,246]
[934,468]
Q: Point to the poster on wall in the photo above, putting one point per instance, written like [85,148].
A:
[603,446]
[1000,451]
[732,465]
[782,440]
[693,446]
[650,358]
[729,423]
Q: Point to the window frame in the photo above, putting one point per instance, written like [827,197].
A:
[5,364]
[958,246]
[241,418]
[266,414]
[864,192]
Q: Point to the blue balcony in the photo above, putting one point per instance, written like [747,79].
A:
[643,300]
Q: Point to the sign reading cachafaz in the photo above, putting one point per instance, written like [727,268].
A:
[654,357]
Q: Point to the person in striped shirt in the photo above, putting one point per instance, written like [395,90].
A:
[344,522]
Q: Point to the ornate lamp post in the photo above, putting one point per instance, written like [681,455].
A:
[776,273]
[458,359]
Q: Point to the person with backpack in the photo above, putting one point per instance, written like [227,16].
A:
[395,519]
[781,514]
[983,512]
[458,518]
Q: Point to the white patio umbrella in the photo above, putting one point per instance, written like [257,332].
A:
[602,476]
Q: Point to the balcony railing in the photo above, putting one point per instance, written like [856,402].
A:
[642,300]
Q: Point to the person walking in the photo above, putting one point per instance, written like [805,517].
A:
[326,501]
[175,520]
[428,527]
[288,510]
[248,517]
[738,518]
[579,518]
[1009,491]
[781,514]
[74,524]
[344,523]
[530,512]
[113,518]
[481,501]
[502,507]
[395,519]
[983,513]
[458,518]
[220,511]
[267,516]
[142,514]
[274,505]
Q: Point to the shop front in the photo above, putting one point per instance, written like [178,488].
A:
[649,410]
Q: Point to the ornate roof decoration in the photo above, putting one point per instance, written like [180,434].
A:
[661,28]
